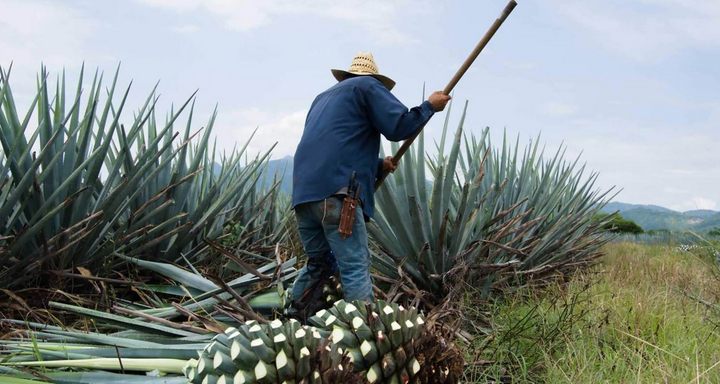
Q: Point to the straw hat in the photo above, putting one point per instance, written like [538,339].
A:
[363,65]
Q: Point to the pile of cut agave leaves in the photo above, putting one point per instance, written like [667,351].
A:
[356,342]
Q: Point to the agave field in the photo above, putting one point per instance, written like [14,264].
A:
[128,256]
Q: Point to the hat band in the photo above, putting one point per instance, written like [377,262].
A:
[359,67]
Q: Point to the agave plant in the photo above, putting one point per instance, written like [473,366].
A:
[100,185]
[507,214]
[351,342]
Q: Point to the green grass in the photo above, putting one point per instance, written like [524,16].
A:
[630,320]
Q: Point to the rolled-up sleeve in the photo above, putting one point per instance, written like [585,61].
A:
[393,119]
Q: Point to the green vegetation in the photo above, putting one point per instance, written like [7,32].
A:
[511,213]
[652,217]
[157,199]
[381,342]
[634,318]
[618,224]
[179,260]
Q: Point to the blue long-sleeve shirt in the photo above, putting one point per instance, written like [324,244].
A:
[342,134]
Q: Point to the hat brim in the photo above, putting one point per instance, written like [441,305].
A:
[341,75]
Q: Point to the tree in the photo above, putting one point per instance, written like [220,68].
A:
[619,224]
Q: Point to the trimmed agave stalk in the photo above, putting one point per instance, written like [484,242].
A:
[520,215]
[381,342]
[350,343]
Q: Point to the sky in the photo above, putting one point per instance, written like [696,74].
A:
[630,86]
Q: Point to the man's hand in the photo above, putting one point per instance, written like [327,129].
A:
[388,165]
[438,100]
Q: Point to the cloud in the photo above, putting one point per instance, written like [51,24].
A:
[376,17]
[185,29]
[646,30]
[558,109]
[234,128]
[684,172]
[663,164]
[695,203]
[34,31]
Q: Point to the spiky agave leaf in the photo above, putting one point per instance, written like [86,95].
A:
[104,182]
[496,209]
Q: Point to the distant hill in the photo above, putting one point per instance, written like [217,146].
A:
[701,213]
[655,217]
[711,223]
[622,207]
[652,219]
[283,168]
[647,216]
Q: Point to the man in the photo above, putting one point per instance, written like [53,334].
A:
[342,136]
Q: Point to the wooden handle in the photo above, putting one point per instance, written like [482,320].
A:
[453,82]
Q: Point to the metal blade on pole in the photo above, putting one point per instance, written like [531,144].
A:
[473,55]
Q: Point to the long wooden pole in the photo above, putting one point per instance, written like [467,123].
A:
[449,87]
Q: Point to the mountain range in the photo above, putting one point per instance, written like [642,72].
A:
[651,217]
[283,168]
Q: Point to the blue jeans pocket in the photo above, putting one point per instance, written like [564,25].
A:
[332,208]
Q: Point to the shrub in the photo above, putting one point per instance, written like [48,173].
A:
[618,224]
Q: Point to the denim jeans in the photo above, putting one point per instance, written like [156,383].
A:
[318,227]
